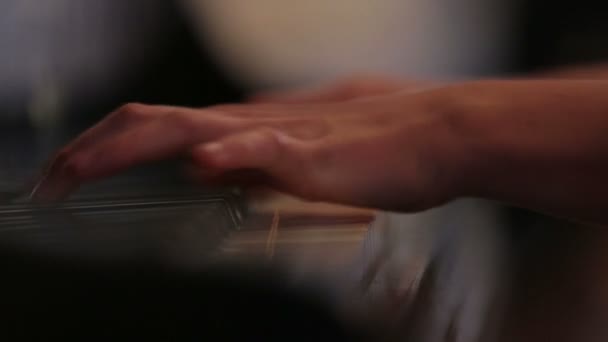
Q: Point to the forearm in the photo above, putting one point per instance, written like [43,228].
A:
[538,144]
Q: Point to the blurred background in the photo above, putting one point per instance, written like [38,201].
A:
[64,64]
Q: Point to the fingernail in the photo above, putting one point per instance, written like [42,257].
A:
[37,186]
[51,188]
[49,191]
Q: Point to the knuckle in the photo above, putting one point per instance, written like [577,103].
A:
[285,146]
[267,139]
[131,112]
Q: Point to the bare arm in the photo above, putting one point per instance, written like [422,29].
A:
[537,144]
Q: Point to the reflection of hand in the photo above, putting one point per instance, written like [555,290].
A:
[348,89]
[392,151]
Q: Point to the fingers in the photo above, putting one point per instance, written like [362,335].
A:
[159,139]
[270,138]
[118,120]
[138,134]
[113,123]
[122,140]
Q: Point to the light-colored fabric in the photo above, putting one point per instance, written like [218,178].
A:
[288,42]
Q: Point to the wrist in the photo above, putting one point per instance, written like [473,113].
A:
[462,153]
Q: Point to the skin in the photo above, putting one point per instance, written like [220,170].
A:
[379,143]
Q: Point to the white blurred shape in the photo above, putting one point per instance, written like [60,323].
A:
[286,42]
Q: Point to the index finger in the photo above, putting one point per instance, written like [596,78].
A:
[106,150]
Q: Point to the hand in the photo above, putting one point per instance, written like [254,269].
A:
[537,144]
[393,152]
